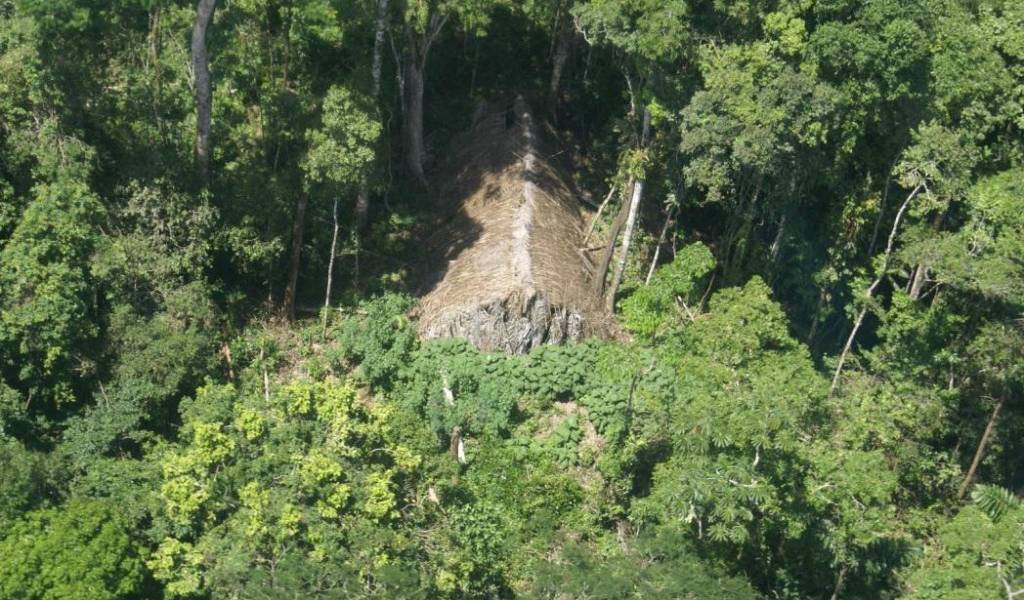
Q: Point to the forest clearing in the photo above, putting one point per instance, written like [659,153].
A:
[554,299]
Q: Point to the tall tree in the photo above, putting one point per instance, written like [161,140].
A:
[295,256]
[203,87]
[937,166]
[422,24]
[651,39]
[380,31]
[340,154]
[83,549]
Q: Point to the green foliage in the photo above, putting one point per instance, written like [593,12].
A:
[473,566]
[79,550]
[996,501]
[558,372]
[939,160]
[755,119]
[47,308]
[975,555]
[663,565]
[11,405]
[164,434]
[342,150]
[450,383]
[980,258]
[652,30]
[379,339]
[648,310]
[565,440]
[164,249]
[25,482]
[305,470]
[751,459]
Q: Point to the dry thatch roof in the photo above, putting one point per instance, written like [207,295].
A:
[505,270]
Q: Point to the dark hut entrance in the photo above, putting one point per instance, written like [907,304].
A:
[505,270]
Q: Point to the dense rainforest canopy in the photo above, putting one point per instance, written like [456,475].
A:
[807,217]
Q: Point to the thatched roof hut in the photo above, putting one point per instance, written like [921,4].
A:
[505,269]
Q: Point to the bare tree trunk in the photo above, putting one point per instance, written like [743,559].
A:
[457,446]
[779,237]
[363,196]
[840,580]
[204,93]
[414,151]
[871,290]
[632,94]
[657,248]
[378,46]
[415,72]
[980,452]
[266,378]
[609,250]
[739,242]
[822,293]
[586,67]
[380,31]
[476,64]
[921,271]
[627,238]
[399,75]
[565,37]
[155,44]
[597,215]
[293,267]
[917,283]
[634,209]
[225,350]
[881,212]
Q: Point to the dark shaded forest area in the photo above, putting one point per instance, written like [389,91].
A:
[806,216]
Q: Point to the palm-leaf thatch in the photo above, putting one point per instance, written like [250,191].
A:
[505,267]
